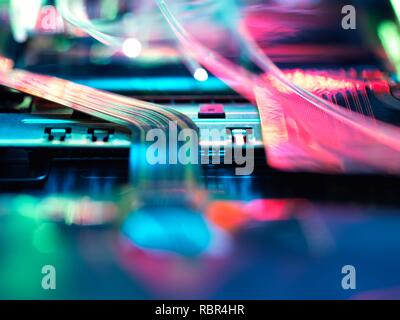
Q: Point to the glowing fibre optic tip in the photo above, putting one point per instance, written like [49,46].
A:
[396,7]
[132,47]
[201,74]
[390,38]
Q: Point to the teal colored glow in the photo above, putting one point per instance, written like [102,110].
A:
[153,84]
[47,121]
[174,230]
[46,238]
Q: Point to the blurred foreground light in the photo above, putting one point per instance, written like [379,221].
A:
[228,215]
[46,238]
[396,7]
[132,47]
[390,38]
[176,230]
[201,74]
[5,64]
[72,210]
[23,17]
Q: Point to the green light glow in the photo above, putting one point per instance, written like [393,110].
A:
[109,9]
[390,38]
[46,238]
[396,7]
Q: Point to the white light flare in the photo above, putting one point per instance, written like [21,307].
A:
[132,47]
[201,74]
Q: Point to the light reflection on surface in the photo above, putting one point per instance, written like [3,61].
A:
[271,248]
